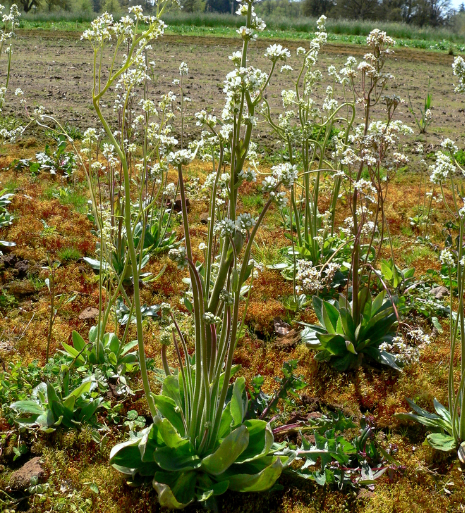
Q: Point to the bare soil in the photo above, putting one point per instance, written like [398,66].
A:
[54,69]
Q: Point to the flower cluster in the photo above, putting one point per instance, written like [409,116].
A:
[277,53]
[447,258]
[312,279]
[442,169]
[458,68]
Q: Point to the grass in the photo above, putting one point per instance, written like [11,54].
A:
[67,196]
[69,254]
[301,28]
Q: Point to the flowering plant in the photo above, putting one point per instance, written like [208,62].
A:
[448,423]
[199,444]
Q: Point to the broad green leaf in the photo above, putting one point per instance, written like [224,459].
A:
[378,302]
[330,316]
[168,409]
[225,423]
[334,344]
[78,342]
[166,497]
[238,403]
[318,307]
[343,363]
[113,343]
[260,482]
[83,388]
[442,442]
[126,454]
[350,347]
[27,407]
[129,346]
[260,440]
[169,434]
[442,411]
[227,453]
[171,389]
[180,458]
[348,324]
[73,353]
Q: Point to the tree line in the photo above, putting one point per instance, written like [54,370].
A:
[434,13]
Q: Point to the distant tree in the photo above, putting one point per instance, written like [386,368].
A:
[279,8]
[390,10]
[316,8]
[432,12]
[27,5]
[462,7]
[111,6]
[356,9]
[193,5]
[218,6]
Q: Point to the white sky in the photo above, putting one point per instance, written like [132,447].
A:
[455,3]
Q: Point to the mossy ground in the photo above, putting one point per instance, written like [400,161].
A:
[427,481]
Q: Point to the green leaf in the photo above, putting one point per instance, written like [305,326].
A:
[78,342]
[168,409]
[227,453]
[169,434]
[259,482]
[31,407]
[260,440]
[442,442]
[378,302]
[442,411]
[318,307]
[330,316]
[166,497]
[348,324]
[180,458]
[171,389]
[73,353]
[238,404]
[226,422]
[81,389]
[126,454]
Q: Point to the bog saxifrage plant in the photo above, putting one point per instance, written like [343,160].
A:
[199,444]
[447,425]
[364,159]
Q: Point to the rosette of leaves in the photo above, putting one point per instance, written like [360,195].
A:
[50,407]
[345,341]
[184,470]
[440,423]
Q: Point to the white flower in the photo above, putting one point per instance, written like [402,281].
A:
[446,258]
[449,146]
[180,158]
[225,227]
[183,69]
[244,222]
[442,169]
[458,67]
[277,52]
[285,173]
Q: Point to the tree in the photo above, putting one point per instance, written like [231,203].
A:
[432,12]
[356,9]
[218,5]
[27,5]
[391,10]
[316,8]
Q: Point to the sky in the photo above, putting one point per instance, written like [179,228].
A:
[455,3]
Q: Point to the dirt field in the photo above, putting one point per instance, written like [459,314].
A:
[54,70]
